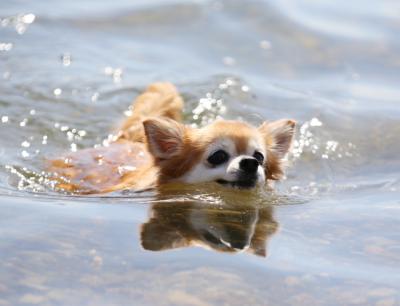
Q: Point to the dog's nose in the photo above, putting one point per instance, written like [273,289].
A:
[249,165]
[239,245]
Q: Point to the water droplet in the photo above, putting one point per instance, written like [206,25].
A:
[57,91]
[32,112]
[223,86]
[128,113]
[24,154]
[124,169]
[73,147]
[108,70]
[6,46]
[5,22]
[245,88]
[28,18]
[70,135]
[117,75]
[23,122]
[25,144]
[20,28]
[94,97]
[315,122]
[331,145]
[230,82]
[66,59]
[4,119]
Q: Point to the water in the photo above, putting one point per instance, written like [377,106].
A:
[328,235]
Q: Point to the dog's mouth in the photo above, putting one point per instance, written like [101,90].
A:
[242,184]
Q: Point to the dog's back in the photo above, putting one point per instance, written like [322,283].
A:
[159,100]
[104,169]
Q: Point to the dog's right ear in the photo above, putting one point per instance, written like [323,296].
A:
[156,236]
[164,137]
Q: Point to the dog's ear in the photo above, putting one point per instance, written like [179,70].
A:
[164,137]
[158,237]
[266,227]
[279,135]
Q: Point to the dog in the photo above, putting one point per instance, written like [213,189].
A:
[229,228]
[152,147]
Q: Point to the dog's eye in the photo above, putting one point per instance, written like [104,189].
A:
[260,158]
[218,158]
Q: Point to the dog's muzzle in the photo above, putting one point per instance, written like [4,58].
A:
[249,165]
[246,174]
[242,182]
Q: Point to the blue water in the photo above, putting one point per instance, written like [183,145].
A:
[328,235]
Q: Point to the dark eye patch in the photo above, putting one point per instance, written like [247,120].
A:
[217,158]
[259,156]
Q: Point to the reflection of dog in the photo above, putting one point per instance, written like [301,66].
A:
[153,148]
[222,228]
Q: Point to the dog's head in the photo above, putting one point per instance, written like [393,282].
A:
[231,153]
[222,228]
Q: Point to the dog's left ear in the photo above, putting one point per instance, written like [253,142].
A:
[164,137]
[156,236]
[279,135]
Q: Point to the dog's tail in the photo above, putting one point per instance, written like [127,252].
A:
[159,100]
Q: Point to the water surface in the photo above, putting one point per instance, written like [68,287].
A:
[328,235]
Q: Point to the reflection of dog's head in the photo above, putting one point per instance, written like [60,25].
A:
[231,153]
[220,228]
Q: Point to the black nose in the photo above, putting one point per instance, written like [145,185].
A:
[238,245]
[249,165]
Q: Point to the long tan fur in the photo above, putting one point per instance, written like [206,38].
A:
[106,169]
[152,148]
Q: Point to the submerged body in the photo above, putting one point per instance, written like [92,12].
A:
[153,147]
[98,170]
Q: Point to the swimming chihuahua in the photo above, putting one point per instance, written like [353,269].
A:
[228,228]
[153,147]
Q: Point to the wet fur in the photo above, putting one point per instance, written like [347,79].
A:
[152,147]
[235,228]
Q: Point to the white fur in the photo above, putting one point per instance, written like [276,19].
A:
[228,171]
[222,231]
